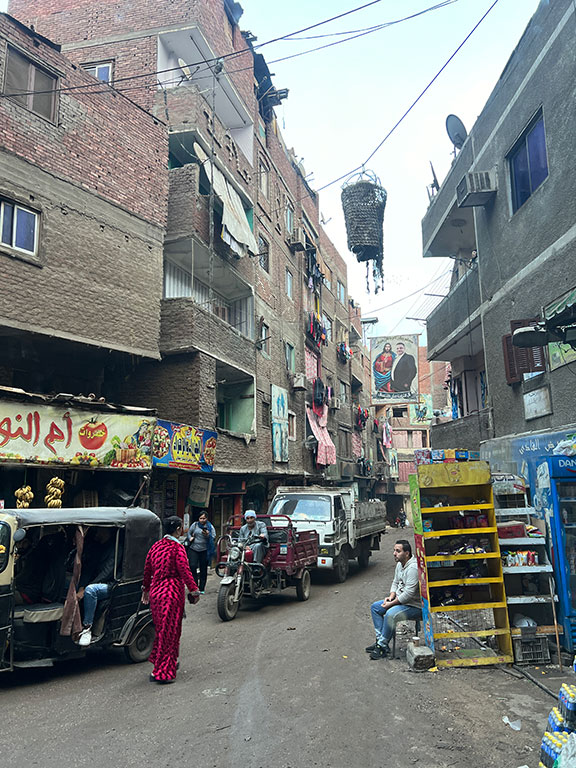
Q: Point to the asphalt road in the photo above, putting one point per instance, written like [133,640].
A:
[284,685]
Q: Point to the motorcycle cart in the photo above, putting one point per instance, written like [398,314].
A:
[37,547]
[286,564]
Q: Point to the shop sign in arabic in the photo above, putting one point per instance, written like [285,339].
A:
[45,434]
[185,447]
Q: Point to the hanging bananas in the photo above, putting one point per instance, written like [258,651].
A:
[54,492]
[23,496]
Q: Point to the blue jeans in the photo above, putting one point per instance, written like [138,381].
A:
[385,619]
[92,594]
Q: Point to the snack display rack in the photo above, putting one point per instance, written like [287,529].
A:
[461,580]
[530,586]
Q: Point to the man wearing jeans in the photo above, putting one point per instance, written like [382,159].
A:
[97,577]
[403,602]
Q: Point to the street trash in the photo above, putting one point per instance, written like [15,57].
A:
[289,629]
[516,725]
[247,738]
[567,757]
[433,669]
[344,657]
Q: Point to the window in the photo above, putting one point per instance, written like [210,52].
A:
[29,85]
[399,413]
[101,71]
[343,442]
[328,277]
[518,360]
[341,332]
[18,227]
[291,426]
[265,339]
[290,357]
[341,292]
[263,253]
[289,283]
[289,218]
[327,323]
[263,174]
[528,162]
[343,392]
[265,414]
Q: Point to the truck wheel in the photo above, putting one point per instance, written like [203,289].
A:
[341,567]
[227,608]
[303,586]
[364,556]
[141,647]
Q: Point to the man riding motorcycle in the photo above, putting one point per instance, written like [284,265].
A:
[255,534]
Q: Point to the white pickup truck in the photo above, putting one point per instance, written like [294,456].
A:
[346,528]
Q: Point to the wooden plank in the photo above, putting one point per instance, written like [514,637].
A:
[545,629]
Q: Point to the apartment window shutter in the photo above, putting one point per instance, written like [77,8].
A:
[512,374]
[529,359]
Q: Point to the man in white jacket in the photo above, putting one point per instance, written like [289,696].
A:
[403,602]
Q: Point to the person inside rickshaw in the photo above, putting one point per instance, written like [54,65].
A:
[40,569]
[97,577]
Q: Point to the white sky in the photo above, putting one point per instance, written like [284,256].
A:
[343,101]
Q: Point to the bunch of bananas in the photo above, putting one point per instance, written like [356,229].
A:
[24,496]
[54,491]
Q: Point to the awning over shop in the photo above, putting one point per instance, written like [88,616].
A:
[236,231]
[558,307]
[326,449]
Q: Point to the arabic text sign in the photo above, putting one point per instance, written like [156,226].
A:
[184,447]
[48,434]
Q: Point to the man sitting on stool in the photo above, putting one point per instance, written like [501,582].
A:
[402,604]
[255,532]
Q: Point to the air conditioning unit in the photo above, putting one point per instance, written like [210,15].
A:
[299,382]
[334,404]
[297,240]
[476,189]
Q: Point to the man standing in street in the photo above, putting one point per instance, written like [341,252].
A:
[403,369]
[402,604]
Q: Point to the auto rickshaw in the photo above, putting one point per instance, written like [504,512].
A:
[35,627]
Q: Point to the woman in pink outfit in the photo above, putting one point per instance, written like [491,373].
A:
[166,574]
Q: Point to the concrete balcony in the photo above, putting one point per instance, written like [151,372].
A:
[186,327]
[466,433]
[454,328]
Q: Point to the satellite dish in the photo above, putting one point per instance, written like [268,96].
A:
[456,131]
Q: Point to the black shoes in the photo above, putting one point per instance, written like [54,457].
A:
[380,652]
[370,648]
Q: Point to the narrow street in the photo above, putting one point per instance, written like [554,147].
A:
[286,684]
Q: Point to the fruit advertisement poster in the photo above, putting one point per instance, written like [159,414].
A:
[46,434]
[185,447]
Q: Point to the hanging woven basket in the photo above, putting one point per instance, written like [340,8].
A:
[363,203]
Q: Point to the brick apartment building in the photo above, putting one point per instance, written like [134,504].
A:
[248,303]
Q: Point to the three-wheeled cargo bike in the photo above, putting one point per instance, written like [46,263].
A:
[37,547]
[287,563]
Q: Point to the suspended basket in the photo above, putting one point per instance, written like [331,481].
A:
[363,203]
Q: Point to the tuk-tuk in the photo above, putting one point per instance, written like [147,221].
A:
[38,547]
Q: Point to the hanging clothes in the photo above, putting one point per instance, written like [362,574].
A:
[319,397]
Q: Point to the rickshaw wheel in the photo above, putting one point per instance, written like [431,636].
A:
[141,647]
[303,586]
[227,608]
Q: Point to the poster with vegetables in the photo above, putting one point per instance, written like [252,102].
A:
[46,434]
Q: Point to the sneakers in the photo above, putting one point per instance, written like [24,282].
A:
[370,648]
[380,652]
[85,637]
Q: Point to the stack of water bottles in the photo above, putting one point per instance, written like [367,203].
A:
[561,724]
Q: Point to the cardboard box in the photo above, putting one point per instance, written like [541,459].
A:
[512,529]
[461,455]
[423,456]
[437,455]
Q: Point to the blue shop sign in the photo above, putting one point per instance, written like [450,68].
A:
[181,446]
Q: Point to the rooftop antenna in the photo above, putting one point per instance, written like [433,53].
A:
[435,186]
[456,132]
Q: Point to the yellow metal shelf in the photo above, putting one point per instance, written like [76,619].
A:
[467,607]
[547,629]
[471,633]
[459,532]
[458,508]
[463,582]
[475,556]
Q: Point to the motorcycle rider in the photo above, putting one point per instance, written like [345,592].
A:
[256,534]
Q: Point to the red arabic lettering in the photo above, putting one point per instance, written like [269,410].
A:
[36,427]
[68,419]
[55,434]
[6,433]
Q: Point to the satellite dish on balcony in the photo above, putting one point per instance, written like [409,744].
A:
[456,131]
[185,69]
